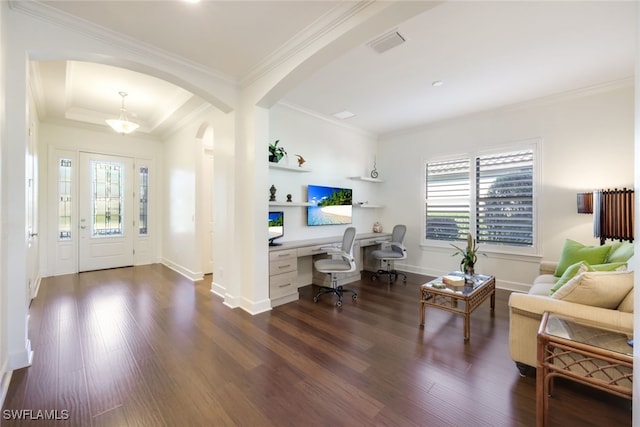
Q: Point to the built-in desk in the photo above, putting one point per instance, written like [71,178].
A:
[291,264]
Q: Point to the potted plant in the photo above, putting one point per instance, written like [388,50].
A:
[469,255]
[276,153]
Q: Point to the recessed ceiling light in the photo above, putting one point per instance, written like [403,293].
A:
[437,83]
[343,115]
[192,1]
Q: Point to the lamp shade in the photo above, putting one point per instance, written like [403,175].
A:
[122,124]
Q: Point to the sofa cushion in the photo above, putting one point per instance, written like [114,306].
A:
[622,253]
[541,288]
[605,289]
[571,271]
[626,305]
[573,252]
[583,266]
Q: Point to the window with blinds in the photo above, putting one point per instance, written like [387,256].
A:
[504,198]
[489,196]
[448,199]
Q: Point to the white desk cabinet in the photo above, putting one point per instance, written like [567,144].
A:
[291,265]
[283,276]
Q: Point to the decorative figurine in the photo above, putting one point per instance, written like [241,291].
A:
[272,190]
[377,227]
[289,198]
[301,160]
[374,172]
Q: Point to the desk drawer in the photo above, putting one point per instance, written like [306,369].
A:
[289,254]
[283,266]
[313,250]
[373,241]
[283,284]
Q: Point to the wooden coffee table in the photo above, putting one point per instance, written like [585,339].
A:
[447,297]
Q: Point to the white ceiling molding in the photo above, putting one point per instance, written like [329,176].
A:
[62,19]
[331,21]
[532,103]
[329,119]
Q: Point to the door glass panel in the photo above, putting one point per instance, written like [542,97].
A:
[64,199]
[144,191]
[107,203]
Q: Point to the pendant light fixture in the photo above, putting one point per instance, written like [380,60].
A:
[122,124]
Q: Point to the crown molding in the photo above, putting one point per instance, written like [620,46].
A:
[43,12]
[325,118]
[324,25]
[627,82]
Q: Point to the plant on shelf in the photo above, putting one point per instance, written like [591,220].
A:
[469,255]
[276,153]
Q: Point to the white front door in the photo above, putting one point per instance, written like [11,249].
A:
[106,220]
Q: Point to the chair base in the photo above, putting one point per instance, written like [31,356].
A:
[339,290]
[394,273]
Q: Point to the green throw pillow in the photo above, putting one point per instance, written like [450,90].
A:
[573,252]
[571,271]
[622,253]
[610,266]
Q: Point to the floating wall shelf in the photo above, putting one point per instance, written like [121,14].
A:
[290,204]
[365,178]
[288,167]
[367,206]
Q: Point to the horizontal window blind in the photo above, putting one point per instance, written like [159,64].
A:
[447,199]
[504,198]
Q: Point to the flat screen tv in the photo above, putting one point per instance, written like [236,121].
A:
[276,227]
[329,205]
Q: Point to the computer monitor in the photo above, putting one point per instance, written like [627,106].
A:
[276,227]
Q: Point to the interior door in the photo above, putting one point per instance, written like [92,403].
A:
[106,220]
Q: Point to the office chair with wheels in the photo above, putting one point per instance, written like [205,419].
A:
[341,261]
[390,252]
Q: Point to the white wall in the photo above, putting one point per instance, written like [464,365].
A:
[5,372]
[636,295]
[180,251]
[587,143]
[334,154]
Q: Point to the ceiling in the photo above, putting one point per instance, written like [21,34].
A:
[486,54]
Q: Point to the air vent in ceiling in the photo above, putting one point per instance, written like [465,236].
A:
[387,41]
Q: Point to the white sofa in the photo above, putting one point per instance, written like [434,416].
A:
[525,312]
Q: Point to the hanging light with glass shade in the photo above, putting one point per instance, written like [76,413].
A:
[122,124]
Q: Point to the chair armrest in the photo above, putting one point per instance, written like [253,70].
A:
[548,267]
[398,245]
[337,252]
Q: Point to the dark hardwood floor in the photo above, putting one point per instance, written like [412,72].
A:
[145,347]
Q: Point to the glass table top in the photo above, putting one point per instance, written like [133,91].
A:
[472,283]
[569,329]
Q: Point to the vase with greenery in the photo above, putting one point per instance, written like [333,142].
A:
[276,153]
[469,255]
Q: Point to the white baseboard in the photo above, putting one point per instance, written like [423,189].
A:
[22,358]
[218,289]
[191,275]
[500,284]
[5,379]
